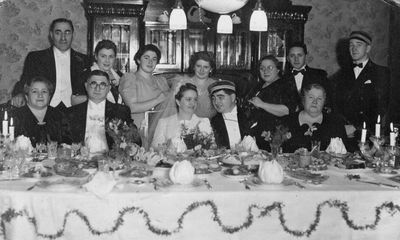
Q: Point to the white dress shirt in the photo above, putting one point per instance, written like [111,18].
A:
[358,70]
[232,127]
[299,79]
[95,134]
[63,89]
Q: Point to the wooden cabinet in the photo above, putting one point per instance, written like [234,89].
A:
[119,21]
[238,51]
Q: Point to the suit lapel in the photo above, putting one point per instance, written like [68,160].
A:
[52,66]
[222,131]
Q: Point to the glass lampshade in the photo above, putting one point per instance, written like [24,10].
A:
[259,21]
[225,24]
[177,19]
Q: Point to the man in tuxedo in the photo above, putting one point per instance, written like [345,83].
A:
[88,119]
[60,64]
[230,125]
[301,75]
[362,90]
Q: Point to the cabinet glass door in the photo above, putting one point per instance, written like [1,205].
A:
[122,31]
[169,43]
[233,50]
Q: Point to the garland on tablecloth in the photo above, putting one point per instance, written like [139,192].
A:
[390,207]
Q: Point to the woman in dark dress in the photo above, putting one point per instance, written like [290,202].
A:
[273,99]
[311,124]
[105,55]
[37,120]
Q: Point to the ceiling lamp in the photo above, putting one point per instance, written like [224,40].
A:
[258,19]
[221,6]
[225,24]
[177,18]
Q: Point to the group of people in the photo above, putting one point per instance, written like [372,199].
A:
[63,97]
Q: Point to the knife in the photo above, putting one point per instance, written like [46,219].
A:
[379,184]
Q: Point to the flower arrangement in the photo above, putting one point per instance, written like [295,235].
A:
[196,139]
[125,136]
[277,137]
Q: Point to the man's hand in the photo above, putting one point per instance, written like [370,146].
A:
[76,99]
[18,100]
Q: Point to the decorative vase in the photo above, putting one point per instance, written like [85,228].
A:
[275,150]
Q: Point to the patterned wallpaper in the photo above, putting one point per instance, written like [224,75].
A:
[332,20]
[24,27]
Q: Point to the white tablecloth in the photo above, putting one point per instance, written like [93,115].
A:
[337,209]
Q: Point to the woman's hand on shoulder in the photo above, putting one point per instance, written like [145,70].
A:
[256,101]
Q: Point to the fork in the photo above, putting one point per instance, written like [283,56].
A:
[207,183]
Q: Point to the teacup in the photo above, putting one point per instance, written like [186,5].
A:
[163,17]
[236,19]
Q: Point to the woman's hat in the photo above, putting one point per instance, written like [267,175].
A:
[221,85]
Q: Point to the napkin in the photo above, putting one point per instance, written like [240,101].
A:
[336,146]
[23,144]
[101,184]
[249,144]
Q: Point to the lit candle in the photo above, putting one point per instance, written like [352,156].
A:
[378,127]
[392,136]
[11,129]
[5,124]
[364,133]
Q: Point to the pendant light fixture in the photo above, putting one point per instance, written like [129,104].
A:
[258,19]
[225,24]
[177,18]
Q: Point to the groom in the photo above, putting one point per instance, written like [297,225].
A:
[230,125]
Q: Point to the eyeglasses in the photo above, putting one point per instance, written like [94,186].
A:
[268,68]
[101,85]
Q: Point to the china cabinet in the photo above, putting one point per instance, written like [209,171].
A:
[238,51]
[120,21]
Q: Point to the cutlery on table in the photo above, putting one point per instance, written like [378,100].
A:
[246,185]
[207,183]
[379,184]
[31,187]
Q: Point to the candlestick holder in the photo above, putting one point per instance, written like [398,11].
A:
[373,154]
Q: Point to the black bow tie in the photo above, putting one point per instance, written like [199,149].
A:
[295,72]
[360,65]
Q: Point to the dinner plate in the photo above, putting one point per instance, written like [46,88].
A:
[229,174]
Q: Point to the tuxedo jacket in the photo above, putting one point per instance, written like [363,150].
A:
[77,116]
[362,99]
[221,133]
[42,63]
[310,76]
[55,125]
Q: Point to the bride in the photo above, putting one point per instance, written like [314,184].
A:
[170,128]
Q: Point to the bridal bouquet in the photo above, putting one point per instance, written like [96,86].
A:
[125,136]
[196,139]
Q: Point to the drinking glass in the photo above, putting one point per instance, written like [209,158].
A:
[52,150]
[103,165]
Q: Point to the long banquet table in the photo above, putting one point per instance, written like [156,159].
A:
[337,209]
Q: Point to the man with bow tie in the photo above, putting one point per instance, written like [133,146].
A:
[301,75]
[230,124]
[60,64]
[88,119]
[362,90]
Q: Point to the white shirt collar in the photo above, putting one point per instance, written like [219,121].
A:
[97,106]
[233,112]
[58,53]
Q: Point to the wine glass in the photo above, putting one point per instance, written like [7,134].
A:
[114,164]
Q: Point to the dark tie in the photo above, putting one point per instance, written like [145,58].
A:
[360,65]
[295,72]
